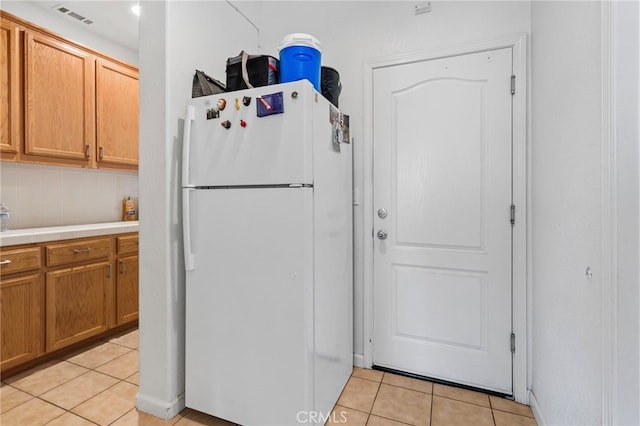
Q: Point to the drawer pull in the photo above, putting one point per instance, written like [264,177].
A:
[122,266]
[84,250]
[5,262]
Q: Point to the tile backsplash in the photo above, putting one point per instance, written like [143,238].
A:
[40,195]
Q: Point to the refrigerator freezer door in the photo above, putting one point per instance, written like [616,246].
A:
[233,146]
[249,305]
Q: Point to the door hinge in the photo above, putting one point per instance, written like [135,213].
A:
[513,84]
[513,214]
[513,343]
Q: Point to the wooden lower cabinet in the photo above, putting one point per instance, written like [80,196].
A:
[61,293]
[20,319]
[77,303]
[127,290]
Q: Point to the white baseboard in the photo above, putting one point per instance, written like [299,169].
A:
[158,408]
[535,407]
[358,360]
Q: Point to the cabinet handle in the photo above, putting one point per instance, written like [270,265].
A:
[109,271]
[87,151]
[5,262]
[101,152]
[84,250]
[121,266]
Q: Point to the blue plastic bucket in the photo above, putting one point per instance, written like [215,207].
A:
[300,57]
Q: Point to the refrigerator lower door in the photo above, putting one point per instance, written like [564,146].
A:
[249,305]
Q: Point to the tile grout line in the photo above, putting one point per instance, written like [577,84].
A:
[493,417]
[57,386]
[11,409]
[22,403]
[125,413]
[118,357]
[97,366]
[48,390]
[364,378]
[431,410]
[80,403]
[94,396]
[409,389]
[376,396]
[65,412]
[380,383]
[388,418]
[466,402]
[511,412]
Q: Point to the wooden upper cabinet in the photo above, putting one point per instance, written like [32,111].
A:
[60,99]
[10,134]
[116,113]
[63,103]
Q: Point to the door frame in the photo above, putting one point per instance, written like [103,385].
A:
[521,299]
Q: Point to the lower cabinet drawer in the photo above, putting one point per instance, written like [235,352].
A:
[19,260]
[78,251]
[127,244]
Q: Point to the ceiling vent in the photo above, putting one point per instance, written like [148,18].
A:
[66,11]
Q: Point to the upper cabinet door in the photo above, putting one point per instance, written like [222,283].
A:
[116,114]
[60,99]
[9,90]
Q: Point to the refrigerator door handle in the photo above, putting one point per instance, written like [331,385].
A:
[186,144]
[189,258]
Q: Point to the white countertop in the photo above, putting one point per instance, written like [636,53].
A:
[53,233]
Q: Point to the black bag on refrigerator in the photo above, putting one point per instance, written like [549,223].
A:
[330,84]
[203,85]
[247,71]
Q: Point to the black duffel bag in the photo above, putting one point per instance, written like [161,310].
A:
[247,71]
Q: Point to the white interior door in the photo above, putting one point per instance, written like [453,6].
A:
[442,194]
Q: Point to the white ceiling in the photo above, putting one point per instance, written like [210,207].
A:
[111,19]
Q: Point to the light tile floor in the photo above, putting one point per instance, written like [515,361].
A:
[98,385]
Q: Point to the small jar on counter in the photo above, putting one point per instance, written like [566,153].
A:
[129,209]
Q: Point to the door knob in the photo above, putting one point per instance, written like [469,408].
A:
[382,213]
[382,234]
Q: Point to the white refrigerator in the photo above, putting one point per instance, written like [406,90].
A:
[267,222]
